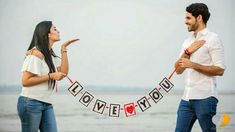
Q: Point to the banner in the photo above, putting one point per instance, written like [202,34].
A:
[114,109]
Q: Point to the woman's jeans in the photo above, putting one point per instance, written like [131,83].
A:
[36,115]
[201,109]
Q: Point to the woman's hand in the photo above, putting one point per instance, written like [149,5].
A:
[64,67]
[67,43]
[57,75]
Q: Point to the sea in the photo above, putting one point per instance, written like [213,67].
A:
[73,116]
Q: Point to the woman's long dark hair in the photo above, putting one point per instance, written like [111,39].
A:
[41,42]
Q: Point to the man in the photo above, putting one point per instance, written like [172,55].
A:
[202,59]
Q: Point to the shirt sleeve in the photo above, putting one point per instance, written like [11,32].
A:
[32,64]
[216,51]
[182,49]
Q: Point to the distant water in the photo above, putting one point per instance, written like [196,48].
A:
[72,116]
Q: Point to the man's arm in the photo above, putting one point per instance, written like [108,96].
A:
[191,49]
[206,70]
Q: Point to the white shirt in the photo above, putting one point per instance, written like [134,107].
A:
[198,85]
[39,67]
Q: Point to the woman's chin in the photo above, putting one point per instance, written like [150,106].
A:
[57,40]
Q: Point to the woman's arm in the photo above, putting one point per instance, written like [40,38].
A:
[30,79]
[64,67]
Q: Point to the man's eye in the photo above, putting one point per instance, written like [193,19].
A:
[187,17]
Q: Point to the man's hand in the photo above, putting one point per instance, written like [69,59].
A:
[185,63]
[184,59]
[206,70]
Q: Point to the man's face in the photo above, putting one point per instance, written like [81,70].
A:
[191,22]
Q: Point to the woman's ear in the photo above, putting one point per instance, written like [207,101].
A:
[49,35]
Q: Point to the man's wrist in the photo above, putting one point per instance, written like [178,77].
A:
[185,56]
[187,52]
[195,65]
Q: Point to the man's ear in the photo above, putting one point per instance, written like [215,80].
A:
[199,18]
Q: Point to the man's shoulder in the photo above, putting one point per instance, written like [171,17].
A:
[213,35]
[213,39]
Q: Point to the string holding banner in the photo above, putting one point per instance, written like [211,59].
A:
[114,109]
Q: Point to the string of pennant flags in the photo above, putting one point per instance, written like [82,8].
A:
[114,109]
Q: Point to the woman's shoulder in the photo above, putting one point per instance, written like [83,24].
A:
[35,52]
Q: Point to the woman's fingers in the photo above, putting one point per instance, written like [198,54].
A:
[76,39]
[67,43]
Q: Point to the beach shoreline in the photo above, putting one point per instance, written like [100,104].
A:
[73,116]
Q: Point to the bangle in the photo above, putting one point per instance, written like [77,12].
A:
[63,51]
[49,76]
[187,52]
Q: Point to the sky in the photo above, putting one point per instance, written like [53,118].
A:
[126,43]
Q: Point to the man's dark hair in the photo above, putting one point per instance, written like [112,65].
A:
[197,9]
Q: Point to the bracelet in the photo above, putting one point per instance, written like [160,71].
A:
[187,52]
[63,51]
[49,76]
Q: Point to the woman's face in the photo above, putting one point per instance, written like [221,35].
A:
[54,34]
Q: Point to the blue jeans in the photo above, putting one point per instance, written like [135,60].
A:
[201,109]
[36,115]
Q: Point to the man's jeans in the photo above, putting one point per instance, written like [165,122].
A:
[201,109]
[36,115]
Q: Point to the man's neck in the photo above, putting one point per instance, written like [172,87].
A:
[200,28]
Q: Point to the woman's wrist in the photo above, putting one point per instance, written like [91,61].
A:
[63,49]
[49,76]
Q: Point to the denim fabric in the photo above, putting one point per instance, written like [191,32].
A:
[201,109]
[36,115]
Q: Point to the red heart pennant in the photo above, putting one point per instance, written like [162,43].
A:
[130,109]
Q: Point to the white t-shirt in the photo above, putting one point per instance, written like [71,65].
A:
[39,67]
[198,85]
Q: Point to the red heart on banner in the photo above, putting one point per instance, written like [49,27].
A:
[129,109]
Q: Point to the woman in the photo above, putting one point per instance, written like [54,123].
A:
[41,68]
